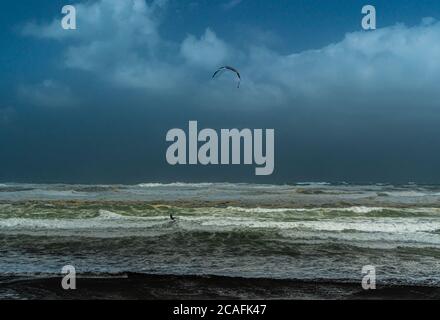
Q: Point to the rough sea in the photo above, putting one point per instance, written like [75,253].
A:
[306,231]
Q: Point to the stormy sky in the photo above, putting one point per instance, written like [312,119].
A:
[93,105]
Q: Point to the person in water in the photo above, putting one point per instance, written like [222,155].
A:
[171,217]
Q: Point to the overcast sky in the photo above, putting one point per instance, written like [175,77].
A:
[94,105]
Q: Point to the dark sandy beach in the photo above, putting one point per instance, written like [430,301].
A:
[147,287]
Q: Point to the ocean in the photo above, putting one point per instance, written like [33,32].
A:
[306,232]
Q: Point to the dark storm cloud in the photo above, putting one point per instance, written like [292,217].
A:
[363,108]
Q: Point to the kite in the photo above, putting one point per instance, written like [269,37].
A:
[221,70]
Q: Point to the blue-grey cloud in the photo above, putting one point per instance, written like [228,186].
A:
[121,41]
[208,51]
[48,93]
[231,4]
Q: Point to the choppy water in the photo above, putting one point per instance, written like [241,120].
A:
[304,231]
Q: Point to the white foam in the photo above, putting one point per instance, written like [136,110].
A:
[313,183]
[105,220]
[354,209]
[173,184]
[361,209]
[410,194]
[387,225]
[106,214]
[382,225]
[262,210]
